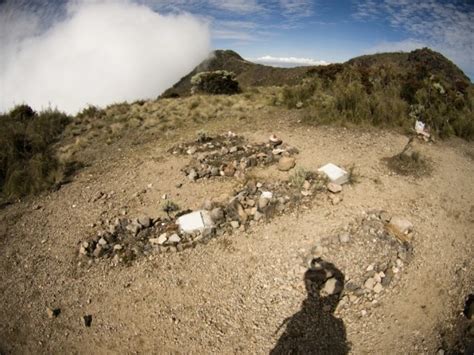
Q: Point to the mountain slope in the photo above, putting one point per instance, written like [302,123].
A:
[248,74]
[423,62]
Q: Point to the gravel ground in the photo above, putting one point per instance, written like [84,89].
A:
[247,291]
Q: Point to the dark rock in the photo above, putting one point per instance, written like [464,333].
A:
[87,320]
[52,312]
[217,215]
[144,221]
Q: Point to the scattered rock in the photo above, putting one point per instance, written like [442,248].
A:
[334,188]
[207,205]
[174,238]
[378,288]
[52,312]
[191,150]
[192,175]
[331,287]
[400,227]
[98,251]
[344,237]
[274,140]
[369,284]
[217,215]
[306,185]
[385,216]
[335,199]
[87,320]
[286,163]
[235,224]
[469,307]
[144,221]
[133,228]
[262,203]
[160,240]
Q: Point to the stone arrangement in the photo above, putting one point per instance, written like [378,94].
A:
[231,156]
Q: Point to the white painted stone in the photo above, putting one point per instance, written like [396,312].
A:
[174,239]
[335,174]
[195,221]
[267,194]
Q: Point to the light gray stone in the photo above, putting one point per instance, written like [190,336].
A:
[344,237]
[174,238]
[144,221]
[369,284]
[331,287]
[334,188]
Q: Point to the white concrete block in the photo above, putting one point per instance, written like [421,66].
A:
[195,221]
[335,174]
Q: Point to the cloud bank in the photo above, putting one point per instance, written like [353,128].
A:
[287,61]
[94,52]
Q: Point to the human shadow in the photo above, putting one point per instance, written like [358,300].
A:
[315,329]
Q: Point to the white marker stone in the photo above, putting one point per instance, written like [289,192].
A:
[335,174]
[195,221]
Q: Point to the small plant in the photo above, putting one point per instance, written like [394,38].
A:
[169,207]
[203,136]
[91,111]
[298,178]
[194,104]
[353,175]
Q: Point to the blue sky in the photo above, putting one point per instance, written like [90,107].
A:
[289,32]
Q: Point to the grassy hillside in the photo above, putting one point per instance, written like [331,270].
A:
[388,89]
[248,74]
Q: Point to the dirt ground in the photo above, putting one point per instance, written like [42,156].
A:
[239,293]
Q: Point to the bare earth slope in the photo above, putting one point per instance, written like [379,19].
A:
[234,294]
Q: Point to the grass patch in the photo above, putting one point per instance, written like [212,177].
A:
[299,176]
[28,160]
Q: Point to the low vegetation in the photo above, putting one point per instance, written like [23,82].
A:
[219,82]
[28,163]
[381,92]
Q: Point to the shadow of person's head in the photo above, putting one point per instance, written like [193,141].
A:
[324,284]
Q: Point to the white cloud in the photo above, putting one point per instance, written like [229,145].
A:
[238,6]
[287,61]
[298,8]
[102,52]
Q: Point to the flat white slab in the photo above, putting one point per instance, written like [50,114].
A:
[194,221]
[335,174]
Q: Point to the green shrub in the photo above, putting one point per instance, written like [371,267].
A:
[28,163]
[91,111]
[220,82]
[294,96]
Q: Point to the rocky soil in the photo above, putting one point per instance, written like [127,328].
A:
[382,264]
